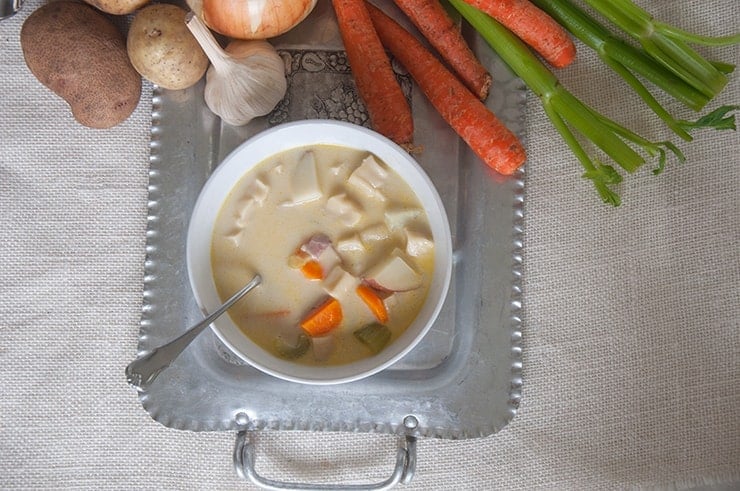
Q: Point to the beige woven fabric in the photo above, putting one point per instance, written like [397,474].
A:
[631,315]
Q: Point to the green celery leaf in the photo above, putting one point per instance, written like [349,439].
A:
[719,119]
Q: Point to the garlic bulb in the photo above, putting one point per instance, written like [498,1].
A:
[244,81]
[252,19]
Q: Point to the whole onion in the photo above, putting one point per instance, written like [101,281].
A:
[252,19]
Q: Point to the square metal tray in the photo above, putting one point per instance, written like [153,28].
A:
[462,381]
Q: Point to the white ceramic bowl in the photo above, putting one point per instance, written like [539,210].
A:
[246,157]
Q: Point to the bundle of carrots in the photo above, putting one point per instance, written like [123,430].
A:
[457,92]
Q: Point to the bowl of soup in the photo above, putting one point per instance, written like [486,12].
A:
[351,240]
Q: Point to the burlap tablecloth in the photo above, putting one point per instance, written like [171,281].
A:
[630,319]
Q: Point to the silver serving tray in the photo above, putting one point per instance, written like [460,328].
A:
[462,381]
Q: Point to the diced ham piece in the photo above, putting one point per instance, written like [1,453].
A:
[316,245]
[394,274]
[320,249]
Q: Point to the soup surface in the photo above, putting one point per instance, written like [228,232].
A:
[343,246]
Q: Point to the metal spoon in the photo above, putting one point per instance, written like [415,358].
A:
[141,372]
[9,7]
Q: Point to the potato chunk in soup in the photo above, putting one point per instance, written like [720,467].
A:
[344,249]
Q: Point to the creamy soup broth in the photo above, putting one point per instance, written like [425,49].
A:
[368,214]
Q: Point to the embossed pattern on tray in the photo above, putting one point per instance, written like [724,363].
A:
[462,381]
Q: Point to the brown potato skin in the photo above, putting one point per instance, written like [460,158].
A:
[78,53]
[162,49]
[117,7]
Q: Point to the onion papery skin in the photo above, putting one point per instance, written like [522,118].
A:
[254,19]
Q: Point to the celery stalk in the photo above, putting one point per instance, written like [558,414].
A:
[669,46]
[628,61]
[689,37]
[564,110]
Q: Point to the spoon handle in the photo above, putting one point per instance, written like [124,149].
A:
[141,372]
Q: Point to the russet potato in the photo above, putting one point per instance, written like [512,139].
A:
[78,53]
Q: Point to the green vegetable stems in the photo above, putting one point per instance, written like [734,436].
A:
[665,60]
[628,62]
[668,45]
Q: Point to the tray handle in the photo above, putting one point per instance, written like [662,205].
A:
[244,457]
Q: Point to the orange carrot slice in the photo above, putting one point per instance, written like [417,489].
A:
[374,302]
[312,270]
[323,318]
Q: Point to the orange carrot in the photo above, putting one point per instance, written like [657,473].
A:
[312,270]
[323,318]
[389,111]
[374,302]
[493,142]
[533,26]
[440,30]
